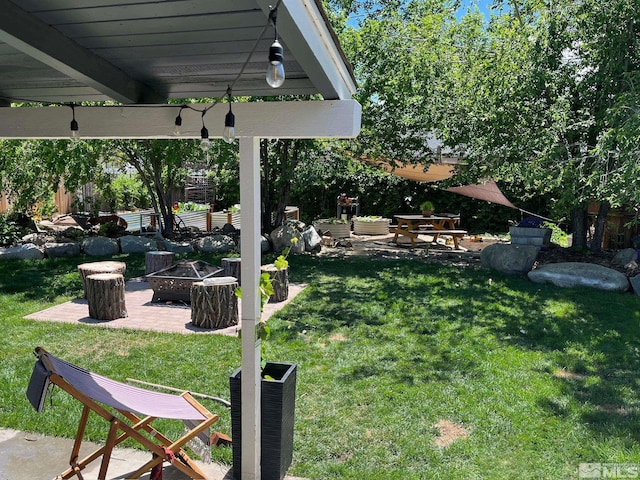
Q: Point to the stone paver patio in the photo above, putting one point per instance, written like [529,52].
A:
[172,317]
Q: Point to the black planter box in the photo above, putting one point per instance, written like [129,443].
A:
[278,398]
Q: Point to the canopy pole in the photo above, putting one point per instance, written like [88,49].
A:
[250,270]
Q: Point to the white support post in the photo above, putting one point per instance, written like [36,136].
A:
[250,272]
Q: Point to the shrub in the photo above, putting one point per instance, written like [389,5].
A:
[10,230]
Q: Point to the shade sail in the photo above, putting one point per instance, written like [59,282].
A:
[487,191]
[417,172]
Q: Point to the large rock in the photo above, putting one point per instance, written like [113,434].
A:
[28,251]
[136,244]
[100,246]
[577,274]
[66,249]
[265,244]
[215,244]
[624,257]
[312,239]
[175,247]
[282,237]
[509,259]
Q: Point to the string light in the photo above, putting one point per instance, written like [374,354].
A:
[275,68]
[229,132]
[74,124]
[275,78]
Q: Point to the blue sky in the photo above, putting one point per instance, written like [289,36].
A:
[483,5]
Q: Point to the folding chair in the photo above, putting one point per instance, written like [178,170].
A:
[138,408]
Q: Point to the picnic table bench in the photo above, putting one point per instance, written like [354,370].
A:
[413,225]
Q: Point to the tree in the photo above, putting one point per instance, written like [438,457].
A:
[34,169]
[543,96]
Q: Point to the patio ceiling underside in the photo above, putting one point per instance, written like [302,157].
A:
[142,51]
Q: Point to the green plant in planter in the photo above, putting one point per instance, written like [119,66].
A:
[427,207]
[333,221]
[371,219]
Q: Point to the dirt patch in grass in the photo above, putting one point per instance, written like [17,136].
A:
[569,375]
[449,432]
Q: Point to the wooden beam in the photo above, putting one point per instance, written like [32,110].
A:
[313,119]
[44,43]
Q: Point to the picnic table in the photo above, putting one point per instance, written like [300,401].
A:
[410,225]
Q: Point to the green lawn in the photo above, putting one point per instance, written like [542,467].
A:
[534,379]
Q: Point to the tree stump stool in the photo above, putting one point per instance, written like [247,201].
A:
[105,294]
[279,281]
[231,267]
[91,268]
[156,261]
[214,303]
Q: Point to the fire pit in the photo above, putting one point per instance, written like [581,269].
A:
[174,282]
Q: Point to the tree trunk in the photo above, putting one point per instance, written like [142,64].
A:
[266,185]
[214,303]
[279,281]
[156,261]
[231,267]
[579,222]
[600,226]
[105,294]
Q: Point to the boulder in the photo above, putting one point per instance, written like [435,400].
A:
[100,246]
[67,249]
[215,244]
[37,239]
[283,235]
[312,239]
[175,247]
[265,244]
[624,257]
[136,244]
[508,258]
[635,284]
[28,251]
[577,274]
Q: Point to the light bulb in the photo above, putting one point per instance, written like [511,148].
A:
[275,68]
[74,130]
[204,139]
[229,132]
[178,125]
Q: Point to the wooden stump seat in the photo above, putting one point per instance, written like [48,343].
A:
[91,268]
[231,267]
[214,303]
[158,260]
[105,294]
[279,280]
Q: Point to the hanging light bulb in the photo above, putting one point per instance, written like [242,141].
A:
[275,68]
[229,132]
[204,136]
[74,125]
[178,122]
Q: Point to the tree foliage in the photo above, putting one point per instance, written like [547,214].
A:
[542,96]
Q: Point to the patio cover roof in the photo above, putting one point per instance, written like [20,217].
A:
[140,54]
[144,51]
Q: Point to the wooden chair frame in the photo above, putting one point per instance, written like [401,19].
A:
[129,425]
